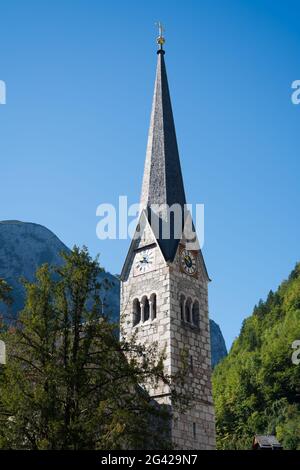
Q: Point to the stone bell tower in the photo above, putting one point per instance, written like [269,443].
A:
[164,279]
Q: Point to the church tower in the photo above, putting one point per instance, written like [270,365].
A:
[164,279]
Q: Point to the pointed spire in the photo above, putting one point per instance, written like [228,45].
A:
[162,181]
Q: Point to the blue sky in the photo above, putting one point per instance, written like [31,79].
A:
[73,133]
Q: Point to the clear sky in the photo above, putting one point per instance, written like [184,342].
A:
[80,77]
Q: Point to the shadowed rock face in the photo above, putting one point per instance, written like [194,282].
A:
[218,346]
[26,246]
[23,248]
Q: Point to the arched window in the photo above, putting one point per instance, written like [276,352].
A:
[153,306]
[145,309]
[188,308]
[196,313]
[136,308]
[182,300]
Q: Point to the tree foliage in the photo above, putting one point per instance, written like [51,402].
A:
[69,382]
[257,387]
[5,291]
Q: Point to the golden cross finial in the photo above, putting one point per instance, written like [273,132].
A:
[160,40]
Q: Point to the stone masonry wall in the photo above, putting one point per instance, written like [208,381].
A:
[194,429]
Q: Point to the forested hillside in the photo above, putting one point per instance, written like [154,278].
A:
[257,386]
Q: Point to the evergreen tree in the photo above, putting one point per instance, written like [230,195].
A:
[69,383]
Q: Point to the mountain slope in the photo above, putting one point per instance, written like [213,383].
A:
[218,346]
[25,246]
[257,386]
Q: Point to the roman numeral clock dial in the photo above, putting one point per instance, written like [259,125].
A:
[188,262]
[144,261]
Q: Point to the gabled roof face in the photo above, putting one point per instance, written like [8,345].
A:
[162,182]
[190,241]
[143,237]
[268,442]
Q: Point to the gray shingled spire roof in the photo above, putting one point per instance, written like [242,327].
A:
[162,181]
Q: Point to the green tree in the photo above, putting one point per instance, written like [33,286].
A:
[5,292]
[69,382]
[257,387]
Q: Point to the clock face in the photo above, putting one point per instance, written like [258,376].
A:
[144,261]
[188,262]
